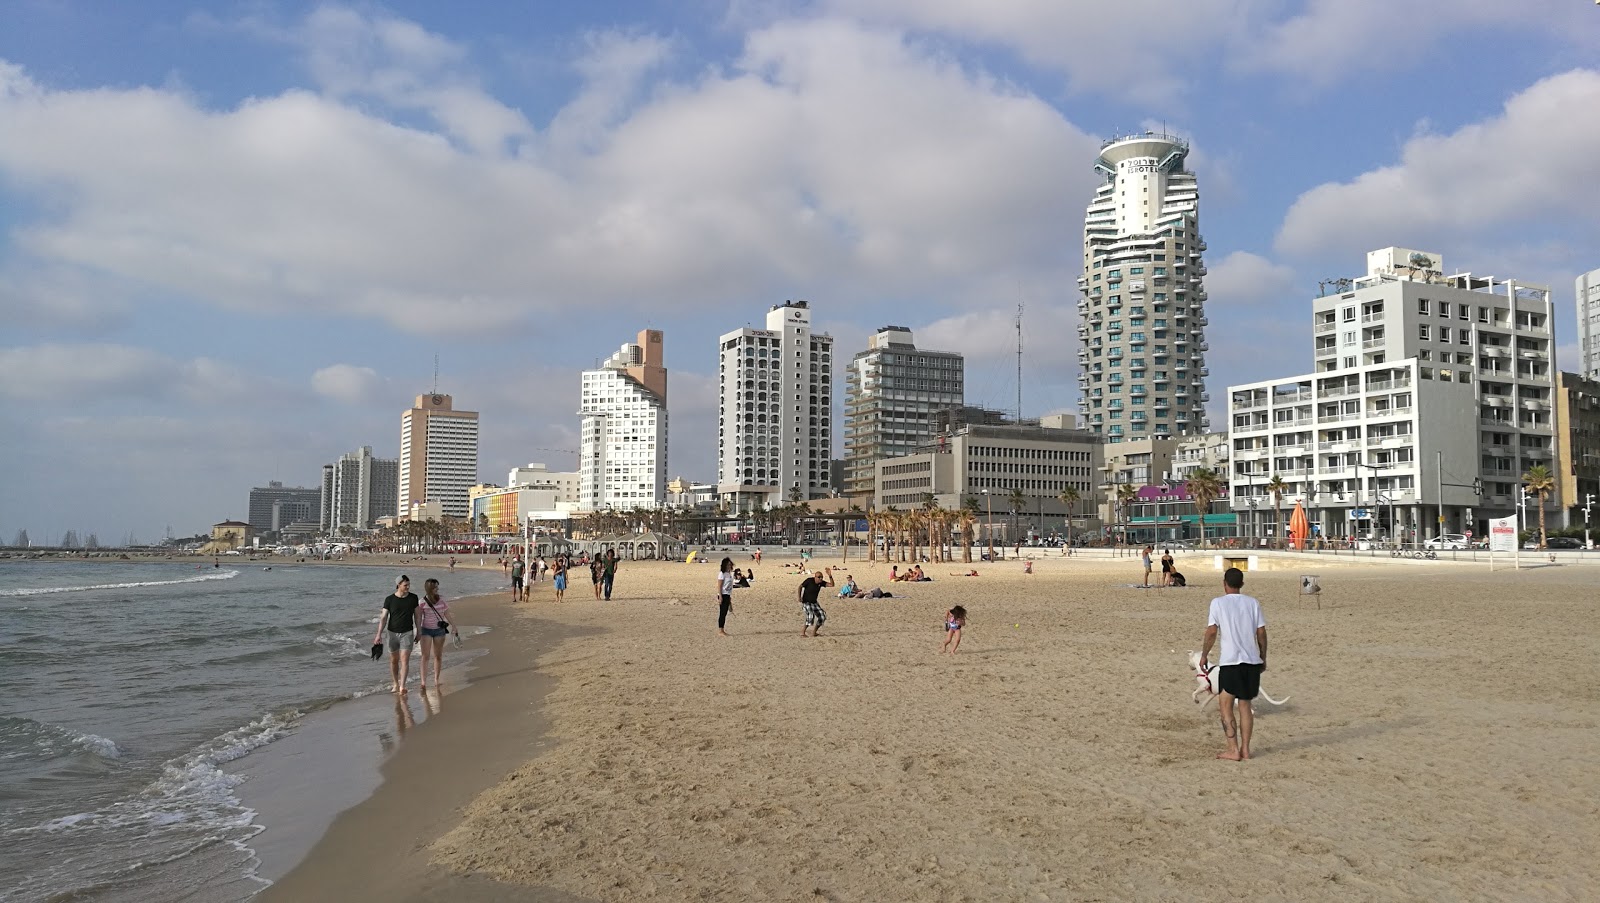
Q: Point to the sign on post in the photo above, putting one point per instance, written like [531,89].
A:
[1503,538]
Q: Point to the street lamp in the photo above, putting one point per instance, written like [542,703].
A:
[1359,465]
[1587,503]
[989,503]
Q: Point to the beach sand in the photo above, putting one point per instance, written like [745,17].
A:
[1438,745]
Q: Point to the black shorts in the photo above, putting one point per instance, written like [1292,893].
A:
[1240,681]
[516,581]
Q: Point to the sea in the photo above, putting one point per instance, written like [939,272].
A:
[171,731]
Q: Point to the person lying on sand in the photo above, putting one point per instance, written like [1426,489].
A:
[967,574]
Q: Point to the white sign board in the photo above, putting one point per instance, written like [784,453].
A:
[1503,534]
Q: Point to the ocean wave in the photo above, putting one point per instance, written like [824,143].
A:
[192,790]
[46,590]
[24,737]
[339,644]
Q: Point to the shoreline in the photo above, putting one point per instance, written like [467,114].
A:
[377,849]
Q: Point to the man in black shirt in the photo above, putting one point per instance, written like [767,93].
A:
[810,588]
[400,623]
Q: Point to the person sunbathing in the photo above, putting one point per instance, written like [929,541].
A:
[967,574]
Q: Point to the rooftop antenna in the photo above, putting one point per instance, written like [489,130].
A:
[1019,363]
[435,374]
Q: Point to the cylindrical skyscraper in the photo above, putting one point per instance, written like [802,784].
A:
[1143,307]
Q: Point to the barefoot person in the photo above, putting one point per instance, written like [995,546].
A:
[435,617]
[1241,661]
[725,586]
[398,626]
[1146,557]
[810,588]
[561,578]
[954,620]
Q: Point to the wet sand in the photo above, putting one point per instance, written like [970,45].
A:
[1438,744]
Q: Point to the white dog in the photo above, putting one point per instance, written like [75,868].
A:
[1205,678]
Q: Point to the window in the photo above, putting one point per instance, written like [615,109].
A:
[1423,332]
[1444,333]
[1349,315]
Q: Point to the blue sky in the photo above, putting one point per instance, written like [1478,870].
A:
[233,236]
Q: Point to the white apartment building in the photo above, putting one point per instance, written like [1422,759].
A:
[1143,307]
[438,456]
[357,490]
[775,418]
[1430,396]
[1207,450]
[1586,290]
[567,485]
[892,392]
[622,456]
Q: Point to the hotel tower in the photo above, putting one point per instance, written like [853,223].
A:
[1142,333]
[623,453]
[776,411]
[438,456]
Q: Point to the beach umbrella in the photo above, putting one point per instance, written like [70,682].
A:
[1299,526]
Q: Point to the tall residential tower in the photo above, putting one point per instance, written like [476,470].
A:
[776,414]
[438,456]
[1587,290]
[1143,307]
[892,391]
[357,490]
[622,461]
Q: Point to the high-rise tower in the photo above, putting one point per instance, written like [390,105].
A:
[623,457]
[892,391]
[1587,290]
[776,413]
[438,456]
[1143,307]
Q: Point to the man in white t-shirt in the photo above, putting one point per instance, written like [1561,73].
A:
[1241,661]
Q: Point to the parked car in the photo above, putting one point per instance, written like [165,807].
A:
[1448,541]
[1564,542]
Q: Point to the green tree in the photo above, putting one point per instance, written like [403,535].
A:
[1205,487]
[1069,497]
[1017,502]
[1541,482]
[1277,487]
[1126,493]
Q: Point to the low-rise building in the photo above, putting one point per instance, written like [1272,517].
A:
[537,476]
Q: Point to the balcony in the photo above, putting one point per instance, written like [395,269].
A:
[1497,401]
[1321,328]
[1374,343]
[1136,286]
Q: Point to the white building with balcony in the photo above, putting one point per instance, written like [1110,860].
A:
[775,417]
[622,452]
[1142,333]
[1429,397]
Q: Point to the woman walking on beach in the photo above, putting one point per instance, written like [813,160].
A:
[954,620]
[561,578]
[724,595]
[608,572]
[594,576]
[397,626]
[435,616]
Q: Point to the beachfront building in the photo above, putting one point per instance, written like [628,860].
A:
[1430,395]
[1207,450]
[622,456]
[1577,433]
[775,416]
[275,507]
[1586,290]
[357,490]
[892,392]
[1013,473]
[438,456]
[568,485]
[1142,335]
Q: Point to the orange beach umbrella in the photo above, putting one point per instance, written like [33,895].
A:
[1299,526]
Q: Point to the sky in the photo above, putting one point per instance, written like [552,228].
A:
[235,237]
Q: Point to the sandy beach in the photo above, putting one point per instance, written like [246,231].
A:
[1438,744]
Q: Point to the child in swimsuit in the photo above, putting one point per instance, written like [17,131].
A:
[954,620]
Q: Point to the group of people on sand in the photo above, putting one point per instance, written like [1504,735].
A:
[1170,576]
[602,574]
[813,615]
[913,574]
[408,622]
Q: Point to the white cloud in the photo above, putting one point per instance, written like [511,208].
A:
[1243,278]
[833,160]
[87,372]
[1146,50]
[1533,163]
[346,383]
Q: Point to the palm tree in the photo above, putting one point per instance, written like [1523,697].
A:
[872,535]
[1205,487]
[1018,502]
[1541,482]
[968,514]
[1125,494]
[1277,487]
[1069,497]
